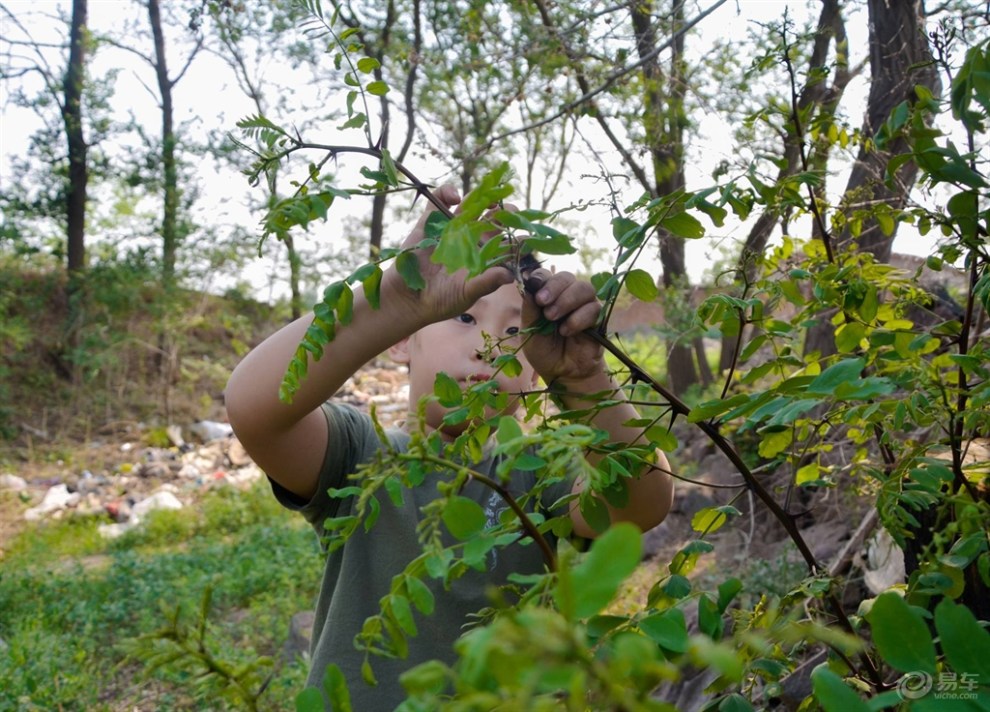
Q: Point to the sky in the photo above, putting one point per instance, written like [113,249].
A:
[208,92]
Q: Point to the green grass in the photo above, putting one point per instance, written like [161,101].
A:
[69,601]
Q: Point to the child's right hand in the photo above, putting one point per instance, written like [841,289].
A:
[445,295]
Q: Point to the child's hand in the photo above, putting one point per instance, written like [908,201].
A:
[445,295]
[567,355]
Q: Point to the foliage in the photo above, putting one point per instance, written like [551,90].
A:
[67,611]
[909,398]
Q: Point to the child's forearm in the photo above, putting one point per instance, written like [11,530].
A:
[288,440]
[650,492]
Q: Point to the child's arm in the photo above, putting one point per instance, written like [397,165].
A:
[289,440]
[574,363]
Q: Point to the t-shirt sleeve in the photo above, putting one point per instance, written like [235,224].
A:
[351,440]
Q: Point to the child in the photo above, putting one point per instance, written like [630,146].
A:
[310,445]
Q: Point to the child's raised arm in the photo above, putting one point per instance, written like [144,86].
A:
[288,440]
[574,362]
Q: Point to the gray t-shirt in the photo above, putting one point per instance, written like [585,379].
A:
[358,574]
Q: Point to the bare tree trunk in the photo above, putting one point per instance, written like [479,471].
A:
[664,122]
[170,171]
[73,120]
[815,92]
[900,59]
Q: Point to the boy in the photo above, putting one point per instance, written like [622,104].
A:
[310,446]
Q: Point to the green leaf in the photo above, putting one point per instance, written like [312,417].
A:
[612,558]
[627,232]
[842,372]
[833,694]
[402,612]
[901,635]
[775,442]
[463,517]
[366,65]
[594,511]
[447,391]
[429,677]
[965,550]
[848,336]
[335,687]
[683,225]
[710,409]
[309,700]
[508,429]
[641,285]
[435,224]
[667,629]
[708,520]
[377,88]
[964,641]
[735,703]
[408,267]
[709,619]
[389,169]
[372,285]
[662,438]
[458,248]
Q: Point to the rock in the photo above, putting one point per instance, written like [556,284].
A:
[155,470]
[115,530]
[189,472]
[245,475]
[119,510]
[300,635]
[55,499]
[162,499]
[174,435]
[159,500]
[12,482]
[236,454]
[884,565]
[209,430]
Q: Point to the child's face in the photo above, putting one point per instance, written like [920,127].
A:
[459,348]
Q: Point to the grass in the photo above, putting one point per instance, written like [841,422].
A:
[70,601]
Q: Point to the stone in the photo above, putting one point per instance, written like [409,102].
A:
[159,500]
[12,482]
[55,499]
[236,454]
[209,430]
[884,565]
[155,470]
[174,435]
[300,635]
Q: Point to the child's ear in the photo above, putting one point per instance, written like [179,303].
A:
[399,352]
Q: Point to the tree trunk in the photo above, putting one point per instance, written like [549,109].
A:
[169,168]
[815,92]
[900,59]
[663,121]
[73,120]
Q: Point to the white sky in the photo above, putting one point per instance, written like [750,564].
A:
[208,98]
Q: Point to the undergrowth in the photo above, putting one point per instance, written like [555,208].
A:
[69,602]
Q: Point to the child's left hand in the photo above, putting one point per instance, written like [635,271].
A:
[567,355]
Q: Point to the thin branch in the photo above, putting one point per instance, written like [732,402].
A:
[611,79]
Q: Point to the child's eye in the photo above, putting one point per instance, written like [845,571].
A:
[465,318]
[512,330]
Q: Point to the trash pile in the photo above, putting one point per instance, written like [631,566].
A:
[202,455]
[150,478]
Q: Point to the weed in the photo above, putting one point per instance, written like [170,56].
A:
[64,623]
